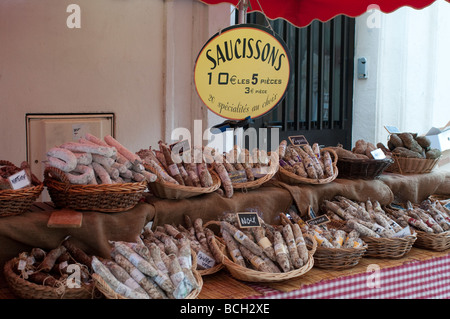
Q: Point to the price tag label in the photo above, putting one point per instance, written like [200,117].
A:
[204,261]
[391,129]
[298,140]
[238,176]
[447,205]
[396,206]
[180,147]
[404,232]
[19,180]
[322,219]
[378,154]
[248,220]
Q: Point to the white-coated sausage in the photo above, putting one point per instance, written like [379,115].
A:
[83,158]
[105,161]
[88,148]
[85,177]
[62,158]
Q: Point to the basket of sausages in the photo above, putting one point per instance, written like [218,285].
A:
[179,175]
[337,248]
[307,164]
[62,272]
[430,219]
[265,253]
[384,236]
[94,174]
[160,264]
[15,201]
[242,170]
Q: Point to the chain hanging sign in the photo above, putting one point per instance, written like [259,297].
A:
[243,71]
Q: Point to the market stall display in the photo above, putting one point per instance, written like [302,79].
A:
[430,220]
[385,238]
[16,201]
[104,226]
[307,164]
[412,154]
[92,174]
[41,274]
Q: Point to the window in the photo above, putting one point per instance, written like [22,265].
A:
[318,103]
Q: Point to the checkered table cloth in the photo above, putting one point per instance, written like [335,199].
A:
[429,279]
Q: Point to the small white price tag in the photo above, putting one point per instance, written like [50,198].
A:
[403,233]
[77,131]
[391,129]
[21,265]
[19,180]
[378,154]
[205,261]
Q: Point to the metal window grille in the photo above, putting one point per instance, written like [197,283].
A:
[318,103]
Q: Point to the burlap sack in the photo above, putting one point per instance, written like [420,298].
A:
[416,188]
[267,201]
[26,231]
[358,190]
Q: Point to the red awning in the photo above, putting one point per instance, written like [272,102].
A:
[302,12]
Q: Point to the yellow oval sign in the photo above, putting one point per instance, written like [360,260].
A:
[243,71]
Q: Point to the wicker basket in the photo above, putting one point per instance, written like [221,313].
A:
[392,248]
[357,168]
[405,166]
[273,169]
[166,190]
[27,290]
[15,202]
[338,258]
[435,242]
[251,275]
[292,178]
[109,293]
[443,199]
[108,198]
[218,266]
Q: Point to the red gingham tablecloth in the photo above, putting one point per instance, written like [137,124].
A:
[429,279]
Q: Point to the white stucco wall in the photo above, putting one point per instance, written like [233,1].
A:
[113,63]
[407,85]
[133,58]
